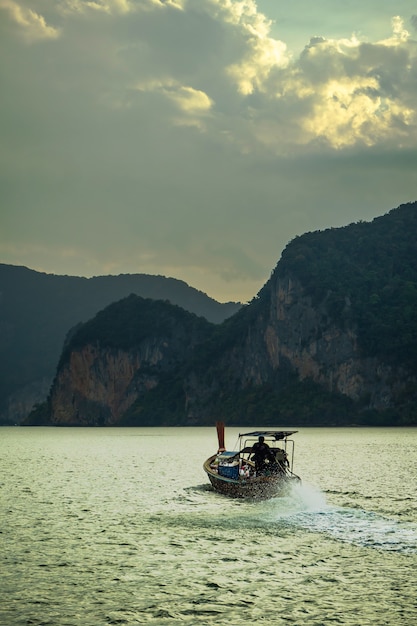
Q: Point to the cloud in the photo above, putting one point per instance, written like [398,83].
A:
[194,104]
[32,26]
[356,92]
[400,34]
[262,52]
[115,7]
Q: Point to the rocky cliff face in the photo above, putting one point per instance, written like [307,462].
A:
[122,354]
[97,386]
[318,349]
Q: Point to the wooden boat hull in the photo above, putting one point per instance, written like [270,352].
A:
[261,487]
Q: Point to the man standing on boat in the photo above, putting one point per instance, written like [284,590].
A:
[261,452]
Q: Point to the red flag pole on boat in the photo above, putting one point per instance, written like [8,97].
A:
[220,436]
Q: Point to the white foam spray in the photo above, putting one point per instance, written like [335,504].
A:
[310,511]
[308,497]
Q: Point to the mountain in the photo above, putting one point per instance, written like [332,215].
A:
[37,310]
[331,339]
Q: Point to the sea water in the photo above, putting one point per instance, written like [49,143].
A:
[121,526]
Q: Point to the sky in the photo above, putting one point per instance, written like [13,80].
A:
[196,138]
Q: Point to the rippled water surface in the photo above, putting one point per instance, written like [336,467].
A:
[120,526]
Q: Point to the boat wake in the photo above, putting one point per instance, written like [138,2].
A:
[355,526]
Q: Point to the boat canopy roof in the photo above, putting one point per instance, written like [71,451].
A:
[276,434]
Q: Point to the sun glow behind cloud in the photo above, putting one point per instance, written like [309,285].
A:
[352,97]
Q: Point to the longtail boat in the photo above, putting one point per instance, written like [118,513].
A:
[260,466]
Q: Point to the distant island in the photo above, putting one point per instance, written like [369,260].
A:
[330,340]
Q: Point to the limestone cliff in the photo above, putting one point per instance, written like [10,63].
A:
[118,358]
[317,348]
[97,386]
